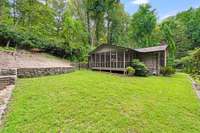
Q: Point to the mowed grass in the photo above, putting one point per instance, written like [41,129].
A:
[7,49]
[86,101]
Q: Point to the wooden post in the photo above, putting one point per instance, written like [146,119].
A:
[89,61]
[92,61]
[105,59]
[124,61]
[100,60]
[165,58]
[116,60]
[158,63]
[95,60]
[110,60]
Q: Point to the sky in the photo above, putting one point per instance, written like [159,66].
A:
[164,8]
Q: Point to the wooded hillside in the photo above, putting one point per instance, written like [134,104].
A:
[72,28]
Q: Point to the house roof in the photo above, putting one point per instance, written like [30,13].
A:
[114,46]
[141,50]
[152,49]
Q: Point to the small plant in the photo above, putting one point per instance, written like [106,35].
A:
[130,71]
[140,68]
[167,71]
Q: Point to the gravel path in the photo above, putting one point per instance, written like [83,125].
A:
[196,87]
[5,95]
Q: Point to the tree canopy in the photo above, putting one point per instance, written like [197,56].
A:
[72,28]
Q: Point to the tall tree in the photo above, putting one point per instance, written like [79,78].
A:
[193,27]
[169,38]
[143,24]
[5,16]
[119,26]
[98,10]
[59,7]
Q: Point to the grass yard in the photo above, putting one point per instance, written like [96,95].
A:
[86,101]
[7,49]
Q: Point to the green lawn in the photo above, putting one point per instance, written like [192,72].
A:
[86,101]
[7,49]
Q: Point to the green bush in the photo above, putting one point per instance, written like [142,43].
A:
[167,71]
[130,71]
[24,39]
[196,62]
[140,68]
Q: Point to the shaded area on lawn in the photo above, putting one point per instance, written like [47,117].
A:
[86,101]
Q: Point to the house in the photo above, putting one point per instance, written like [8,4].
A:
[117,58]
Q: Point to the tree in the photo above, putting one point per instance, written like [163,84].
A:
[143,23]
[193,28]
[74,36]
[5,16]
[59,8]
[117,23]
[196,59]
[169,39]
[98,11]
[82,10]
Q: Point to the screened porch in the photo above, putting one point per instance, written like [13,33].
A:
[113,60]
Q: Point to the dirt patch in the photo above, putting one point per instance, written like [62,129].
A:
[24,59]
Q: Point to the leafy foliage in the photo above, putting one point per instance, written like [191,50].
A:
[168,36]
[28,40]
[190,63]
[142,26]
[196,59]
[167,71]
[71,28]
[140,68]
[130,71]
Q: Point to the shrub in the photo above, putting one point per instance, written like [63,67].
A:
[167,71]
[196,62]
[24,39]
[140,68]
[130,71]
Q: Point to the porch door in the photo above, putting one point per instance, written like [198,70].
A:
[150,61]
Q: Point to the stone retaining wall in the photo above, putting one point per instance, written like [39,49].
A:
[80,65]
[36,72]
[5,72]
[195,86]
[9,76]
[6,81]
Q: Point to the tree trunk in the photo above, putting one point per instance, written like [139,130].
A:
[46,2]
[1,8]
[88,28]
[14,11]
[30,15]
[108,31]
[8,44]
[111,32]
[97,30]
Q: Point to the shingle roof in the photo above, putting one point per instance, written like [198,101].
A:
[152,49]
[102,45]
[141,50]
